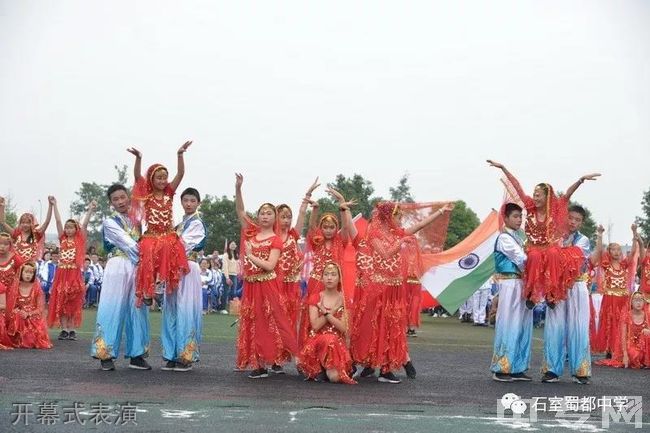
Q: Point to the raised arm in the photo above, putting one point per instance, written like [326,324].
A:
[431,218]
[239,201]
[57,216]
[180,171]
[513,180]
[300,221]
[639,240]
[3,217]
[598,251]
[576,185]
[86,219]
[137,167]
[43,226]
[313,218]
[635,243]
[347,226]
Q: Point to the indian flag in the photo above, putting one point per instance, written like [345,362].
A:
[454,275]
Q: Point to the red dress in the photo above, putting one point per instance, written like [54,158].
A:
[364,328]
[322,254]
[68,288]
[326,349]
[27,326]
[414,301]
[162,254]
[616,301]
[289,275]
[638,345]
[8,276]
[265,336]
[644,288]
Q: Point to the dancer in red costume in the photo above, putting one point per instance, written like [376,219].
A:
[380,338]
[633,342]
[68,288]
[291,258]
[617,273]
[548,267]
[265,336]
[644,271]
[326,241]
[28,236]
[325,356]
[162,254]
[25,307]
[10,264]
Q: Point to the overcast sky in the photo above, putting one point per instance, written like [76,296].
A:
[285,91]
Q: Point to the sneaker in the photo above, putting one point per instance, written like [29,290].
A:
[182,366]
[501,377]
[147,301]
[521,377]
[582,380]
[63,335]
[72,335]
[224,312]
[107,364]
[277,369]
[322,377]
[367,372]
[444,315]
[260,373]
[608,355]
[138,363]
[550,377]
[388,378]
[169,366]
[434,315]
[410,370]
[530,304]
[411,333]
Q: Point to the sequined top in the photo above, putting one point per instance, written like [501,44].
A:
[539,233]
[329,328]
[363,260]
[28,304]
[615,279]
[634,330]
[158,214]
[645,275]
[27,249]
[67,254]
[290,258]
[262,250]
[9,270]
[322,254]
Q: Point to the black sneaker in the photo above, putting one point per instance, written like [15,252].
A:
[107,365]
[521,377]
[72,335]
[388,378]
[582,380]
[322,377]
[260,373]
[63,335]
[367,372]
[550,377]
[138,363]
[181,366]
[169,366]
[608,355]
[501,377]
[411,333]
[410,370]
[277,369]
[147,301]
[530,304]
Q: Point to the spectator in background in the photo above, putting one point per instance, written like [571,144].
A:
[206,281]
[46,271]
[98,273]
[231,271]
[89,281]
[217,288]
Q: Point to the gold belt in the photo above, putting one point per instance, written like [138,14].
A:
[583,277]
[396,281]
[412,280]
[266,276]
[155,235]
[512,276]
[616,292]
[67,266]
[292,278]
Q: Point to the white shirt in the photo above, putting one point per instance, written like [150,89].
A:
[513,250]
[119,237]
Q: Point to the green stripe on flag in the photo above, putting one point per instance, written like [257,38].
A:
[456,293]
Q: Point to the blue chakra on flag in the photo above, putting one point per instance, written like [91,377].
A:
[470,261]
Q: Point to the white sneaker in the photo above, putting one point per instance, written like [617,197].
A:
[435,315]
[444,315]
[223,311]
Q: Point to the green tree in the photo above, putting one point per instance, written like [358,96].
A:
[402,192]
[462,222]
[93,191]
[643,221]
[355,187]
[10,212]
[221,221]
